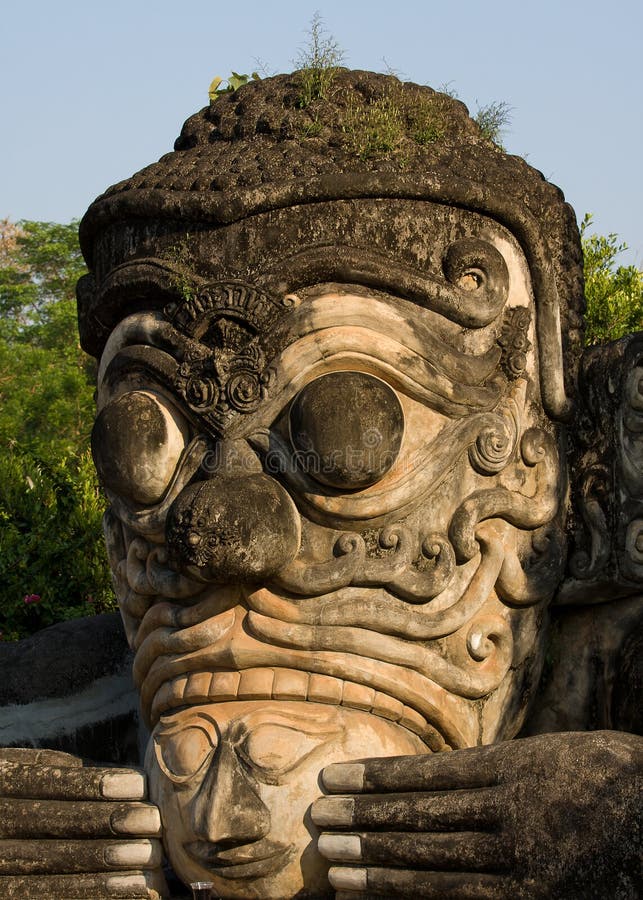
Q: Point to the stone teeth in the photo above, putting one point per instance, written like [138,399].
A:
[263,683]
[325,689]
[224,686]
[358,696]
[290,684]
[387,707]
[413,721]
[198,687]
[255,684]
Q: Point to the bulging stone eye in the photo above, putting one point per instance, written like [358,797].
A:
[346,429]
[137,441]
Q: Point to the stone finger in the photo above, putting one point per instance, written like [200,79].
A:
[34,756]
[45,782]
[373,882]
[128,886]
[41,819]
[34,857]
[463,850]
[415,812]
[471,768]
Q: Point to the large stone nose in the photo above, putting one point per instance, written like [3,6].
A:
[233,528]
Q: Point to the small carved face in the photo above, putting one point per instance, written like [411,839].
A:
[234,783]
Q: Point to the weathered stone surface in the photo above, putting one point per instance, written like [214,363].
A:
[607,476]
[513,820]
[246,772]
[33,779]
[348,427]
[69,687]
[71,830]
[591,679]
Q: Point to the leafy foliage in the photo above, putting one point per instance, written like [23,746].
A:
[52,557]
[614,293]
[220,86]
[50,505]
[381,125]
[46,381]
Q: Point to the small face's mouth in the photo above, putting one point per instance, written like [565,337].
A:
[246,861]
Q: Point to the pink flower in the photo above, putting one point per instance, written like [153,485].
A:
[32,598]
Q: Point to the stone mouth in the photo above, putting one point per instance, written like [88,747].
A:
[246,861]
[260,646]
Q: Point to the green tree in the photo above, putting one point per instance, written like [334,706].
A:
[46,381]
[614,293]
[52,559]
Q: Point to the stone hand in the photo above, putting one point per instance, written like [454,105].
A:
[75,831]
[552,816]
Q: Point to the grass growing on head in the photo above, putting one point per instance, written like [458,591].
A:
[375,128]
[318,62]
[180,257]
[380,125]
[493,119]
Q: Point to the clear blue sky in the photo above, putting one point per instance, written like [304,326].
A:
[94,91]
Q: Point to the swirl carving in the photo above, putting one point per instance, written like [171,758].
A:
[244,390]
[496,441]
[538,449]
[586,563]
[411,568]
[477,270]
[607,475]
[634,541]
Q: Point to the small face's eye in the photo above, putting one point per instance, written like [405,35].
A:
[273,750]
[137,441]
[182,754]
[346,429]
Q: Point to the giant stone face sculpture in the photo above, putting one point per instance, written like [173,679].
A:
[330,403]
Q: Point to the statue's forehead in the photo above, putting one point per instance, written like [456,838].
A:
[394,247]
[413,231]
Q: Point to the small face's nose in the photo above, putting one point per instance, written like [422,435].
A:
[233,528]
[227,810]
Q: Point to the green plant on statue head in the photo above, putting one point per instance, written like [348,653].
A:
[317,62]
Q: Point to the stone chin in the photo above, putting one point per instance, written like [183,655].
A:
[235,781]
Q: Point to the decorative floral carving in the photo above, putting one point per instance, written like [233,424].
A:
[224,372]
[514,341]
